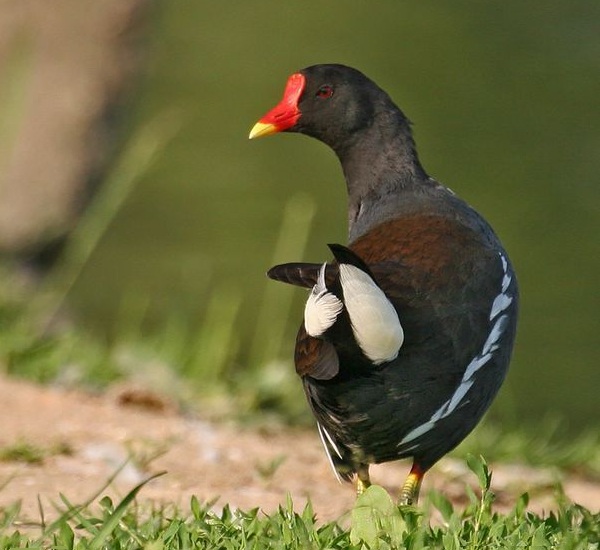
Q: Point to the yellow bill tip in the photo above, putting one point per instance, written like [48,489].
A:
[261,129]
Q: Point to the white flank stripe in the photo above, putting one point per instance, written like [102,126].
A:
[375,323]
[441,412]
[506,281]
[495,334]
[322,307]
[500,304]
[462,390]
[418,431]
[476,364]
[407,449]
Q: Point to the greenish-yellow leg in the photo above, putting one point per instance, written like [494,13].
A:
[363,480]
[409,494]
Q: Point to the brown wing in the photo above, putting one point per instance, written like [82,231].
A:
[315,357]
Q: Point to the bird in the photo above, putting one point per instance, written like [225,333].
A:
[408,331]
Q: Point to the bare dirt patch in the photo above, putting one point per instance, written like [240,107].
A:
[243,467]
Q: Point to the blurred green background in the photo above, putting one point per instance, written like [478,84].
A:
[504,100]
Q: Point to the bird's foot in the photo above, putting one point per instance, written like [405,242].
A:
[363,481]
[361,487]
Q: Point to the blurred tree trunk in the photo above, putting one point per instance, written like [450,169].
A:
[68,69]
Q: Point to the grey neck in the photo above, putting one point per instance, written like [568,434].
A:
[382,171]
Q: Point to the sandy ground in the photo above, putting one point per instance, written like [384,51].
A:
[232,465]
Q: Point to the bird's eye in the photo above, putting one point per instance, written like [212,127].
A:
[324,92]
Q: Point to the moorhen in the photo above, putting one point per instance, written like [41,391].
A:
[408,332]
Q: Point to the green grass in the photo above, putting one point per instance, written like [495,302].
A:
[376,523]
[30,453]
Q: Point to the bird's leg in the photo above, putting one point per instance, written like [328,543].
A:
[364,481]
[409,494]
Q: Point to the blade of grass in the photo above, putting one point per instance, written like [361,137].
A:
[66,515]
[116,516]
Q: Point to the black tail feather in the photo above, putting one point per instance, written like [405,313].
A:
[298,274]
